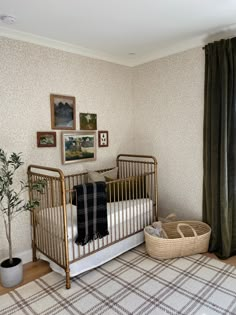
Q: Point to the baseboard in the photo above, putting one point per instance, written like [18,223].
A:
[26,256]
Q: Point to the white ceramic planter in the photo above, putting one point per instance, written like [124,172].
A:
[11,275]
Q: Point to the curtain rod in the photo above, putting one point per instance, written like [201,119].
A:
[217,40]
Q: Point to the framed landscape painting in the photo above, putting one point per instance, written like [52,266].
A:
[46,139]
[63,112]
[78,146]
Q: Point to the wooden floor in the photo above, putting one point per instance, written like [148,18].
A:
[230,261]
[34,270]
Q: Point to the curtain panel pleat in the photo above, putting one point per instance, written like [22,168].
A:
[219,189]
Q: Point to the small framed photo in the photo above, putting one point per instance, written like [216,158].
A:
[63,114]
[88,121]
[103,138]
[78,146]
[46,139]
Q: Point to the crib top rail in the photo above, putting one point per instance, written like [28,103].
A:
[55,173]
[46,171]
[136,158]
[50,172]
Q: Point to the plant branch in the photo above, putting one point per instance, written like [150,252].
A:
[11,203]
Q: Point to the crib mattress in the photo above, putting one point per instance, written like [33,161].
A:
[132,213]
[125,218]
[118,214]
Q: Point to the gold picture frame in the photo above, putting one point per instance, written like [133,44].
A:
[63,113]
[78,146]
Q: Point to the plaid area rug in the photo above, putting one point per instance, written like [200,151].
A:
[133,283]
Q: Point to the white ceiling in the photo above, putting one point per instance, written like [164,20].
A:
[112,29]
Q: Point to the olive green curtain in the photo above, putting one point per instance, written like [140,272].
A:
[219,178]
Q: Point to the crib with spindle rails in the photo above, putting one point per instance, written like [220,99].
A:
[131,205]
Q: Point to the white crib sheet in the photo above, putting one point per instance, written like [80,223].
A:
[122,213]
[124,218]
[117,213]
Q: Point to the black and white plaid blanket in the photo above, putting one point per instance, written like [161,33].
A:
[91,204]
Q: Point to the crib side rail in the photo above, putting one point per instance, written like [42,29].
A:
[49,219]
[134,196]
[129,210]
[134,165]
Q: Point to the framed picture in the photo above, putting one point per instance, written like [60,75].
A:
[46,139]
[88,121]
[78,146]
[103,138]
[63,112]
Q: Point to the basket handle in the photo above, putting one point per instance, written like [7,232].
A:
[185,224]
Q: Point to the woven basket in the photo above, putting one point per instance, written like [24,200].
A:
[184,238]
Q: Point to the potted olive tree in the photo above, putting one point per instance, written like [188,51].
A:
[12,203]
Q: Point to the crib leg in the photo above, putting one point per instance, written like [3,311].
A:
[34,252]
[68,279]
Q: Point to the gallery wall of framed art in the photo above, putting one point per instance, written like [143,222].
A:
[79,135]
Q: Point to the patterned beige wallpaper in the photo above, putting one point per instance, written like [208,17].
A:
[168,97]
[156,108]
[28,74]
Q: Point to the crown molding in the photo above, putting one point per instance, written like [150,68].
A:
[172,49]
[130,61]
[181,46]
[51,43]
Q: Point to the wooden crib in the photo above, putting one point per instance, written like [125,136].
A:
[131,205]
